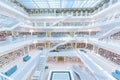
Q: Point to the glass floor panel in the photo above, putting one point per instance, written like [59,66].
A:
[60,75]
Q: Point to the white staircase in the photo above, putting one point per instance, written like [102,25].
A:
[41,65]
[42,62]
[16,25]
[11,27]
[108,27]
[76,77]
[40,68]
[82,73]
[66,17]
[98,72]
[110,32]
[58,45]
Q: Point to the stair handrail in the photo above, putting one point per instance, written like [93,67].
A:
[4,77]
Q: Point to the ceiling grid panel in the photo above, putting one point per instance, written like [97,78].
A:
[38,4]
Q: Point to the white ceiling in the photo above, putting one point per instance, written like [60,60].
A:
[36,4]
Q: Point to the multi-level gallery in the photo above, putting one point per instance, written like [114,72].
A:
[59,39]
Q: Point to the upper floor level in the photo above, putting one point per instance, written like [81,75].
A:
[60,17]
[60,8]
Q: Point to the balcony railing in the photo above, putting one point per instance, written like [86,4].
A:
[107,5]
[13,5]
[3,77]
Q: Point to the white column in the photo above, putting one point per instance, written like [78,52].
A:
[46,34]
[89,33]
[98,9]
[31,33]
[40,13]
[94,48]
[54,12]
[72,13]
[45,24]
[76,13]
[23,51]
[86,13]
[28,48]
[35,23]
[81,13]
[35,45]
[97,50]
[46,12]
[62,14]
[67,13]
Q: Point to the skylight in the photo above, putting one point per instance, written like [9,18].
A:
[36,4]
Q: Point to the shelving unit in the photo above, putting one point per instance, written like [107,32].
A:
[39,34]
[110,55]
[115,36]
[89,46]
[53,44]
[65,59]
[86,33]
[60,34]
[81,45]
[31,47]
[3,36]
[40,45]
[7,58]
[62,12]
[65,47]
[26,49]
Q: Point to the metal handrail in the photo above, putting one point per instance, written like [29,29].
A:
[4,77]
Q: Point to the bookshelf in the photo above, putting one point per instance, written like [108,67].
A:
[80,45]
[7,58]
[109,55]
[115,36]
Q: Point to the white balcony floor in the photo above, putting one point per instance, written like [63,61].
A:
[109,65]
[19,62]
[18,39]
[63,53]
[112,44]
[58,66]
[102,68]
